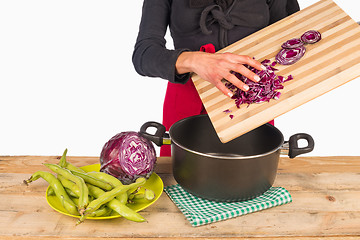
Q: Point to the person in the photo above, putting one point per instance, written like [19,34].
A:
[198,29]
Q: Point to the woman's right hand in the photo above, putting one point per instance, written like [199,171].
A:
[213,67]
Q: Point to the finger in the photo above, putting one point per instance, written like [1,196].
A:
[250,61]
[246,72]
[234,80]
[253,63]
[221,86]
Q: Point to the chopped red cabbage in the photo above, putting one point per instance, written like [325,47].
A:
[290,56]
[261,91]
[292,43]
[310,37]
[293,49]
[269,84]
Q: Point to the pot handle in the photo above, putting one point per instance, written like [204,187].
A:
[293,147]
[161,137]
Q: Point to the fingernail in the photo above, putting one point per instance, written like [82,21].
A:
[230,94]
[246,87]
[263,67]
[256,78]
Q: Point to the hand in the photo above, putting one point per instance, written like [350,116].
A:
[213,67]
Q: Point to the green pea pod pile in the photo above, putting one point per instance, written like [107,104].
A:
[92,194]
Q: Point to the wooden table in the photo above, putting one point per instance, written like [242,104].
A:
[325,191]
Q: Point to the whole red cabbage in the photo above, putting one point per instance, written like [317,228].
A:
[128,156]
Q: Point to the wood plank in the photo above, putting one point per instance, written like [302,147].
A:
[30,164]
[181,238]
[314,75]
[280,221]
[326,201]
[325,192]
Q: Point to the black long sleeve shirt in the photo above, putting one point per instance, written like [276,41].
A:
[194,26]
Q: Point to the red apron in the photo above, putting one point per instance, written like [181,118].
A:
[182,101]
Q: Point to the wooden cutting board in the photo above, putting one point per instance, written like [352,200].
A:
[325,66]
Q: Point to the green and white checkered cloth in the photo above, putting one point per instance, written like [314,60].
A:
[200,211]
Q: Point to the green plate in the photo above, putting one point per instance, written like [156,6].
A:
[154,183]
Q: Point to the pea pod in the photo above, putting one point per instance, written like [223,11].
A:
[71,194]
[117,206]
[65,164]
[92,180]
[109,179]
[70,185]
[101,212]
[73,168]
[108,196]
[142,195]
[62,162]
[50,191]
[113,181]
[84,192]
[149,194]
[58,188]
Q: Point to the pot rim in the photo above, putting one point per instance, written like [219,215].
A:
[220,156]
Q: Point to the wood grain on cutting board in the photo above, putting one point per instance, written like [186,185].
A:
[326,65]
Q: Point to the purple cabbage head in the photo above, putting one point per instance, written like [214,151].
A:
[128,156]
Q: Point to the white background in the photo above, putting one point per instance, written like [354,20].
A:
[67,81]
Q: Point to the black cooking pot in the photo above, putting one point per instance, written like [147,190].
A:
[241,169]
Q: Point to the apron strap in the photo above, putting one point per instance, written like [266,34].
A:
[181,101]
